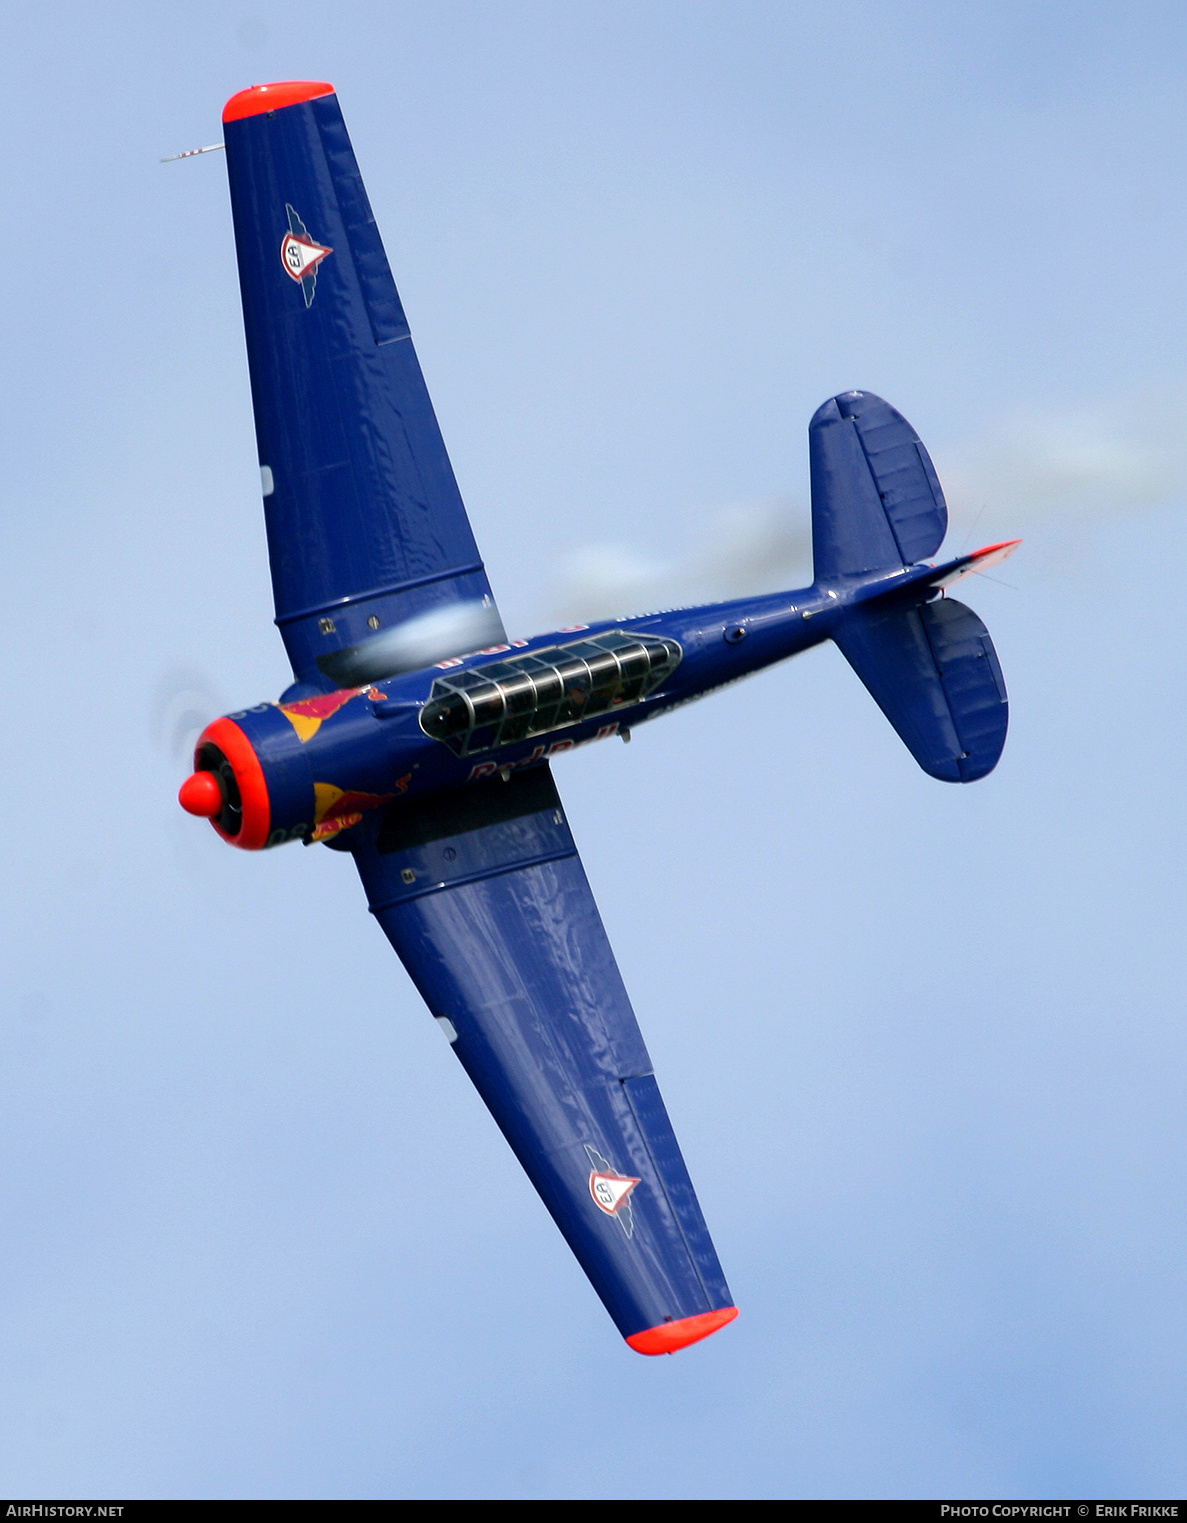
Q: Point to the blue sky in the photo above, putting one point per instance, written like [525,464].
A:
[923,1046]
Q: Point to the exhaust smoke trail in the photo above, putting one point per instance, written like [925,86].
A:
[1090,462]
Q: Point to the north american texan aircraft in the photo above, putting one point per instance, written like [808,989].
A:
[418,737]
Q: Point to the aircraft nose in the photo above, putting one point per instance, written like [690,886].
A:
[201,794]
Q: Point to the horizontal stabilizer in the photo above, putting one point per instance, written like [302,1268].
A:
[876,501]
[934,673]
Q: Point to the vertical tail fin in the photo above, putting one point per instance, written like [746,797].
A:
[876,502]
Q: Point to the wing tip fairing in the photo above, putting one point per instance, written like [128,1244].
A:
[669,1337]
[260,98]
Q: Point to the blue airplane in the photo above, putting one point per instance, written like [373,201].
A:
[418,737]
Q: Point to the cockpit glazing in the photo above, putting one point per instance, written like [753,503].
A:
[506,701]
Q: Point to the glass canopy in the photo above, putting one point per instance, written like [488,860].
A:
[491,706]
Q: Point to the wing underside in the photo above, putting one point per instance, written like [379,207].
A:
[483,896]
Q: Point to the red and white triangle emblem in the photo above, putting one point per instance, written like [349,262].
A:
[610,1190]
[301,255]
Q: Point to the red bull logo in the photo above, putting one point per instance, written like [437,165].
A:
[339,808]
[308,714]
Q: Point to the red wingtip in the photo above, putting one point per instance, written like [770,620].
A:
[201,795]
[261,98]
[670,1336]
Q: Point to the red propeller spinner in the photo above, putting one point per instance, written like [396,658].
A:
[201,794]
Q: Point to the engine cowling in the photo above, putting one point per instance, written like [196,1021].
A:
[265,794]
[300,771]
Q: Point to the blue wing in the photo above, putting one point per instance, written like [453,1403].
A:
[483,896]
[374,565]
